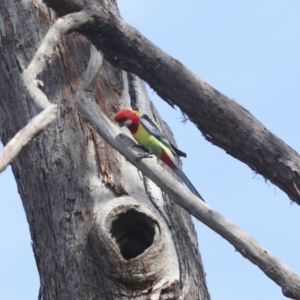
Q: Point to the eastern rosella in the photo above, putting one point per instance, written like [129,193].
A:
[149,135]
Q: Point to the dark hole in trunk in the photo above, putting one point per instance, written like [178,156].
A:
[134,232]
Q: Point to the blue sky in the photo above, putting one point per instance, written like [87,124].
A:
[248,50]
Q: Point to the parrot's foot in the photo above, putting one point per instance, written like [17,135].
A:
[145,154]
[142,156]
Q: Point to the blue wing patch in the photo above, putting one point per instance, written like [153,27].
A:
[155,130]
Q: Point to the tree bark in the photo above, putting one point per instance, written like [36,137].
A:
[99,228]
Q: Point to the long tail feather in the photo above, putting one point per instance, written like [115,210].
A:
[177,151]
[187,182]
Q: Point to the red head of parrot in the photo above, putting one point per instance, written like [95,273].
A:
[128,118]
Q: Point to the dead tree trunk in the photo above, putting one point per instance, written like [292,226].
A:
[100,229]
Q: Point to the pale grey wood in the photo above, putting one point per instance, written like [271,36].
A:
[61,27]
[26,134]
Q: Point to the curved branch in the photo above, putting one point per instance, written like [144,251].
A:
[58,30]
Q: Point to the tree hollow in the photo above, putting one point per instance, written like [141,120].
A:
[134,233]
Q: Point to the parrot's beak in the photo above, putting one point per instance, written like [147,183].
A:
[125,123]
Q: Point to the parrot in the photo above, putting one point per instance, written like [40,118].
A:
[149,135]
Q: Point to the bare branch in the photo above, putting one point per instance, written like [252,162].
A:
[45,52]
[244,243]
[26,134]
[221,120]
[92,71]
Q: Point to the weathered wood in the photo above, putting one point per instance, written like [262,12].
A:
[70,181]
[221,120]
[26,134]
